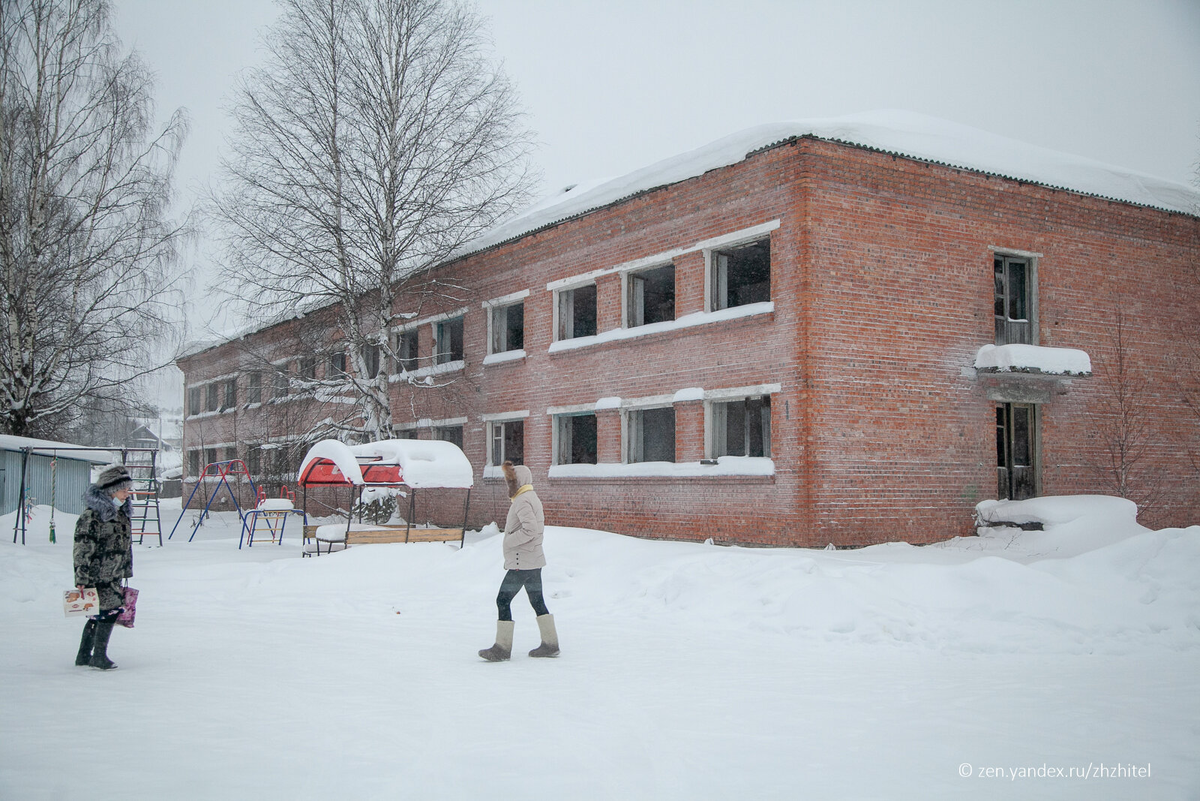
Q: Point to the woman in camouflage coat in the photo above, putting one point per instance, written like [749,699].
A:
[104,558]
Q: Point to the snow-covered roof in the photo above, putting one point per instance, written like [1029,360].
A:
[1033,358]
[904,133]
[422,462]
[47,447]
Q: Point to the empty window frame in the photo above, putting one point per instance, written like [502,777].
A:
[577,312]
[1016,451]
[254,459]
[337,365]
[449,434]
[308,368]
[506,440]
[650,435]
[279,382]
[448,341]
[741,427]
[1014,307]
[212,397]
[211,456]
[740,275]
[407,433]
[194,466]
[575,439]
[406,350]
[370,357]
[230,394]
[195,400]
[254,387]
[651,296]
[508,328]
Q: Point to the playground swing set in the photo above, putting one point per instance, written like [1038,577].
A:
[269,515]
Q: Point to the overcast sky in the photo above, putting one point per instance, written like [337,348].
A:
[613,85]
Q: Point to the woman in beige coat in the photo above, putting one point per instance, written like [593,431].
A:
[524,560]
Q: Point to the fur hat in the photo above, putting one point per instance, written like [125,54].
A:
[114,478]
[510,478]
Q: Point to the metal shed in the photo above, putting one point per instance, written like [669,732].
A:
[70,477]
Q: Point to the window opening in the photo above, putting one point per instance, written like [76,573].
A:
[406,350]
[508,329]
[279,382]
[448,341]
[337,364]
[742,427]
[741,275]
[230,393]
[195,400]
[370,357]
[508,442]
[449,434]
[652,435]
[308,368]
[254,387]
[577,441]
[212,397]
[577,312]
[1013,301]
[652,296]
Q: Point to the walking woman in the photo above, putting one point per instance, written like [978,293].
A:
[103,558]
[524,560]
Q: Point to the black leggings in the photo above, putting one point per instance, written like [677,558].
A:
[514,580]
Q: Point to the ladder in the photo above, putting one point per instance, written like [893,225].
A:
[147,519]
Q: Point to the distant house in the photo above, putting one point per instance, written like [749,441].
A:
[847,331]
[57,472]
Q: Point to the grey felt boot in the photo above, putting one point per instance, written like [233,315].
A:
[549,646]
[84,657]
[502,650]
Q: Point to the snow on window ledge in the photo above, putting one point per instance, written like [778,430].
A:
[506,356]
[725,466]
[427,373]
[1033,359]
[686,321]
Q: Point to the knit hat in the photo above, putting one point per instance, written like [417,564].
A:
[114,478]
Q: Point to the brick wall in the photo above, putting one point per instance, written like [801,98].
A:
[881,279]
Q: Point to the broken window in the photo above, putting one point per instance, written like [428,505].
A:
[507,442]
[651,435]
[230,394]
[508,328]
[652,296]
[212,397]
[210,456]
[576,439]
[406,350]
[406,433]
[370,357]
[448,341]
[195,400]
[254,387]
[308,368]
[1016,463]
[449,434]
[741,275]
[253,459]
[577,312]
[742,427]
[194,466]
[1014,301]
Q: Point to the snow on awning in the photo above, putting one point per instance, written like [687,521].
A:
[1033,359]
[62,450]
[412,462]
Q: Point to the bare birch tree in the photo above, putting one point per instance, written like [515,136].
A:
[378,138]
[86,245]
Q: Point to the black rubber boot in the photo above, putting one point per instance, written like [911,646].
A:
[104,627]
[84,657]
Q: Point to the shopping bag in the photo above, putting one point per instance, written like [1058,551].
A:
[76,603]
[129,610]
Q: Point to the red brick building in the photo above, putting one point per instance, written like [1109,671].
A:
[774,340]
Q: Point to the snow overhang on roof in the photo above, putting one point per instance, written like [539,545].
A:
[901,133]
[412,462]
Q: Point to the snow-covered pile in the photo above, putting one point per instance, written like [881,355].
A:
[688,671]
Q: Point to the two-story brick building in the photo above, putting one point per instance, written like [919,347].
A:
[779,339]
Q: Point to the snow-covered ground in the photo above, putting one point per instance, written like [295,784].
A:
[967,669]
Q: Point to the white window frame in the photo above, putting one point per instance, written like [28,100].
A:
[500,306]
[496,422]
[713,294]
[633,309]
[558,444]
[633,439]
[561,324]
